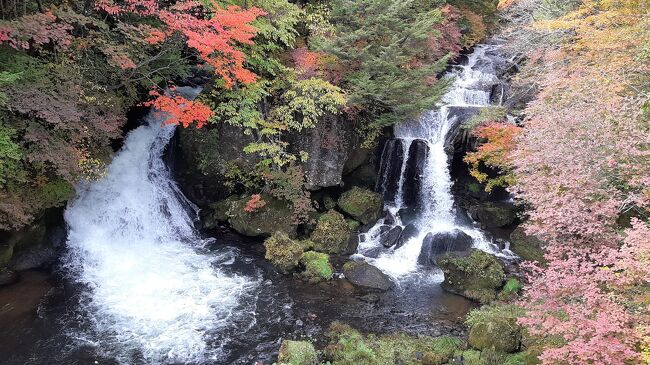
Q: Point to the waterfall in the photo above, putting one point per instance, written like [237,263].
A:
[153,294]
[414,174]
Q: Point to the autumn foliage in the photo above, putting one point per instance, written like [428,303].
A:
[178,110]
[254,203]
[582,162]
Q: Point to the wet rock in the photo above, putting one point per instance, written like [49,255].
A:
[218,212]
[332,233]
[493,215]
[407,233]
[352,224]
[362,204]
[297,353]
[495,328]
[283,252]
[275,215]
[33,257]
[414,172]
[407,215]
[7,277]
[435,244]
[370,298]
[476,276]
[527,247]
[388,239]
[392,158]
[362,274]
[328,145]
[317,267]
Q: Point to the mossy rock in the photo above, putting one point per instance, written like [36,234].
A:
[219,212]
[283,252]
[494,215]
[331,234]
[362,204]
[317,267]
[529,248]
[297,353]
[495,328]
[275,215]
[6,252]
[352,224]
[477,276]
[348,346]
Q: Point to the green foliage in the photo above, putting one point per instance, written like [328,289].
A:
[382,44]
[297,353]
[11,156]
[510,289]
[486,114]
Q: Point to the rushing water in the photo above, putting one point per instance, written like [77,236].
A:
[415,171]
[153,290]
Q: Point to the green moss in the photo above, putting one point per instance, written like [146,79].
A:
[331,234]
[349,347]
[510,289]
[275,215]
[477,276]
[352,224]
[495,327]
[317,267]
[362,204]
[297,353]
[283,252]
[527,247]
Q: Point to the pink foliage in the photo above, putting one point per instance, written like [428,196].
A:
[37,30]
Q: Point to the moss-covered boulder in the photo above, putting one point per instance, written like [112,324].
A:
[6,252]
[274,215]
[317,267]
[297,353]
[331,234]
[217,212]
[527,247]
[495,327]
[283,252]
[494,215]
[348,346]
[362,204]
[477,276]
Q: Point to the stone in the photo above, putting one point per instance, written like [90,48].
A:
[389,238]
[436,244]
[495,329]
[317,267]
[410,231]
[283,252]
[33,257]
[529,248]
[476,276]
[414,172]
[392,158]
[275,215]
[7,277]
[297,353]
[407,215]
[6,252]
[362,274]
[362,204]
[331,234]
[493,215]
[218,212]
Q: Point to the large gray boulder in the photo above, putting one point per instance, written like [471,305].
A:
[362,274]
[436,244]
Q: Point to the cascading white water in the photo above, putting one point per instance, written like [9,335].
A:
[470,89]
[152,292]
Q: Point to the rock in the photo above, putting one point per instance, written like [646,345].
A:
[352,224]
[218,212]
[331,234]
[493,215]
[329,202]
[283,252]
[370,298]
[297,353]
[495,328]
[389,219]
[435,244]
[327,145]
[407,215]
[353,244]
[392,158]
[33,257]
[7,277]
[407,233]
[527,247]
[388,239]
[412,188]
[275,215]
[317,267]
[6,252]
[476,276]
[363,205]
[361,273]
